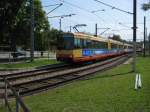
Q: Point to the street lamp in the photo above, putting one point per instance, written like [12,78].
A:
[102,10]
[146,6]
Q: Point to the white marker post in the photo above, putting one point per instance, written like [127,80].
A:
[138,82]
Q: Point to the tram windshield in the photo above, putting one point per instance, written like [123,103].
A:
[66,43]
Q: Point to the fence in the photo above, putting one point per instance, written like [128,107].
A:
[25,55]
[19,101]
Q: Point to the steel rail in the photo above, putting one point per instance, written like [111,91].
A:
[43,68]
[31,88]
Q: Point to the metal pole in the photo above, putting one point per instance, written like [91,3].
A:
[149,43]
[70,28]
[7,106]
[96,29]
[144,35]
[60,24]
[134,34]
[9,57]
[32,30]
[6,97]
[48,48]
[146,41]
[22,104]
[17,103]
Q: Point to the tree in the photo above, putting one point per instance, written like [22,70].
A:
[21,31]
[8,12]
[20,28]
[146,6]
[54,39]
[116,37]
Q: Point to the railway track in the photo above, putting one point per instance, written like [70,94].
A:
[35,82]
[37,72]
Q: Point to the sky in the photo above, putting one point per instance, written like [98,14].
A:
[110,18]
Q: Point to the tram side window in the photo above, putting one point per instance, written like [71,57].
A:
[84,43]
[120,46]
[101,45]
[114,46]
[126,47]
[94,44]
[89,43]
[104,45]
[98,45]
[77,43]
[130,47]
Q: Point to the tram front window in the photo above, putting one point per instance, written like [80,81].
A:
[66,43]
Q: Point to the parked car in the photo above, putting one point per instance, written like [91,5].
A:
[18,53]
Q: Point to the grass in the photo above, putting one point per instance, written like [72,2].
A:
[110,91]
[39,62]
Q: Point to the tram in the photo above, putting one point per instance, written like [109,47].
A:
[80,48]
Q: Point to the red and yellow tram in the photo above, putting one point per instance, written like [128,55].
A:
[79,47]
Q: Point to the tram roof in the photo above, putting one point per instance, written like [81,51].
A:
[98,38]
[91,37]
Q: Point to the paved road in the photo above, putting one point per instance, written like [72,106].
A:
[5,57]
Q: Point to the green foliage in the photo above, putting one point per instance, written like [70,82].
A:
[55,37]
[116,37]
[22,26]
[8,12]
[45,38]
[16,32]
[146,6]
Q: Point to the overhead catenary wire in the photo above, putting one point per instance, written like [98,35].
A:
[70,6]
[55,8]
[81,8]
[76,6]
[86,10]
[115,19]
[113,7]
[62,16]
[51,5]
[102,10]
[90,11]
[124,25]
